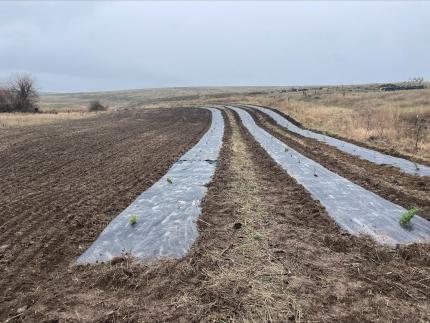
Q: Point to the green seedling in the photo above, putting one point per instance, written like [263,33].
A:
[407,216]
[328,133]
[286,149]
[416,167]
[133,219]
[169,180]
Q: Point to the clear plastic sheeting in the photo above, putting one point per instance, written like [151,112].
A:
[167,212]
[361,152]
[352,207]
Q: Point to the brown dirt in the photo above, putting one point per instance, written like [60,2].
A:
[394,185]
[61,184]
[266,252]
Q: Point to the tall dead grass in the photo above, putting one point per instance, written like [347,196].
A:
[10,120]
[382,120]
[251,269]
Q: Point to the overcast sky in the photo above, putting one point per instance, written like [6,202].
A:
[88,46]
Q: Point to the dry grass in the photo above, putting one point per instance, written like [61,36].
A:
[250,264]
[10,120]
[379,119]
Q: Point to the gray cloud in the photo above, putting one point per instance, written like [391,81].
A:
[78,46]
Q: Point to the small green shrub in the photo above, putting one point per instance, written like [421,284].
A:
[133,219]
[169,180]
[407,216]
[328,133]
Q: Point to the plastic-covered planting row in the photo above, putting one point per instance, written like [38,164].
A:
[161,222]
[361,152]
[352,207]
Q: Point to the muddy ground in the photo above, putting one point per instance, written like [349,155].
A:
[266,252]
[389,182]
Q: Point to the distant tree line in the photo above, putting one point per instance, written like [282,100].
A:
[19,95]
[414,83]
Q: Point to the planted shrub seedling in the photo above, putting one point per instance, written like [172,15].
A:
[407,216]
[169,180]
[328,133]
[133,219]
[286,149]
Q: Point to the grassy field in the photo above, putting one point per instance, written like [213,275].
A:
[386,120]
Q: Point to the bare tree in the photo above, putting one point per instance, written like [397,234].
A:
[24,94]
[5,99]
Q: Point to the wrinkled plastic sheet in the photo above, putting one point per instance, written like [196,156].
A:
[361,152]
[166,212]
[352,207]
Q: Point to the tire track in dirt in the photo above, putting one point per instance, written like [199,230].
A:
[400,188]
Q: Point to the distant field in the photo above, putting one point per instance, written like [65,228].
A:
[383,120]
[147,97]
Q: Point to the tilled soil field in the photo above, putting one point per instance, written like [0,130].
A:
[266,252]
[61,184]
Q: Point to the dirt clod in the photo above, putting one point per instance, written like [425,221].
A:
[237,225]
